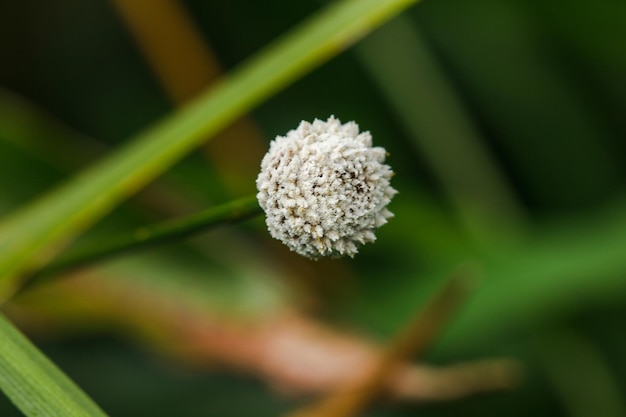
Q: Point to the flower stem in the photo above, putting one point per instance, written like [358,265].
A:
[149,236]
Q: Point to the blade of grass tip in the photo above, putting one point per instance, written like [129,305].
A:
[34,384]
[439,126]
[149,236]
[171,44]
[411,342]
[32,130]
[31,237]
[565,356]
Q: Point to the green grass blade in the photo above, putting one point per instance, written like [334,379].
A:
[34,384]
[31,129]
[34,235]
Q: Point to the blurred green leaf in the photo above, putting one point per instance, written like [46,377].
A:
[440,127]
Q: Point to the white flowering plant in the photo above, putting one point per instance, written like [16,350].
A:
[324,188]
[504,124]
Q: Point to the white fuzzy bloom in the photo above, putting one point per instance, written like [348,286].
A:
[324,188]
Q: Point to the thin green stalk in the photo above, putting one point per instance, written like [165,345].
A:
[149,236]
[34,384]
[30,238]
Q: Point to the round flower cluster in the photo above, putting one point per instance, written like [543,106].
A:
[324,188]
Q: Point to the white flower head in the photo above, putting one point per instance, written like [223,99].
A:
[324,188]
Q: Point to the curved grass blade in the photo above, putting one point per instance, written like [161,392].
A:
[34,235]
[34,384]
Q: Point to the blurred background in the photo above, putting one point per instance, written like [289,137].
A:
[505,126]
